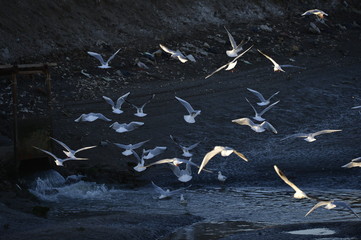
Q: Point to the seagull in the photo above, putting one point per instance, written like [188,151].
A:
[258,116]
[277,67]
[299,194]
[310,137]
[167,193]
[129,147]
[183,201]
[91,117]
[151,153]
[69,152]
[173,161]
[319,13]
[332,204]
[230,65]
[356,162]
[184,175]
[140,166]
[263,102]
[59,161]
[224,151]
[178,54]
[254,126]
[101,60]
[221,177]
[356,107]
[185,149]
[116,107]
[140,112]
[192,113]
[126,127]
[235,48]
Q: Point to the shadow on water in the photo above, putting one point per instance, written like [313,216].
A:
[212,230]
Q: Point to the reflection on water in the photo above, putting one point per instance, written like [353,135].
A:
[224,210]
[314,231]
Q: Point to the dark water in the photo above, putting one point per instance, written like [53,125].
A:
[226,210]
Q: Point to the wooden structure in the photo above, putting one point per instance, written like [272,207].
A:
[24,69]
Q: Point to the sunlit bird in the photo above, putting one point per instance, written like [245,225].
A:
[178,54]
[224,151]
[236,48]
[183,175]
[356,162]
[70,153]
[151,153]
[185,149]
[101,60]
[298,192]
[126,127]
[59,161]
[310,137]
[129,147]
[317,12]
[332,204]
[254,126]
[116,107]
[140,110]
[276,66]
[264,102]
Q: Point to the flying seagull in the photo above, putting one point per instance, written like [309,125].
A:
[91,117]
[224,151]
[258,116]
[59,161]
[254,126]
[129,147]
[140,111]
[140,166]
[70,153]
[331,204]
[356,162]
[178,54]
[310,137]
[167,193]
[151,153]
[192,113]
[299,193]
[185,149]
[235,48]
[183,175]
[276,66]
[319,13]
[230,65]
[101,60]
[126,127]
[116,107]
[173,161]
[264,102]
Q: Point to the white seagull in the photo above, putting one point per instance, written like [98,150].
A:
[129,147]
[116,107]
[254,126]
[70,153]
[276,66]
[221,177]
[356,162]
[258,116]
[178,54]
[101,60]
[140,111]
[59,161]
[310,137]
[167,193]
[151,153]
[140,166]
[235,48]
[230,65]
[192,113]
[91,117]
[173,161]
[185,149]
[183,175]
[224,151]
[299,194]
[126,127]
[264,102]
[332,204]
[319,13]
